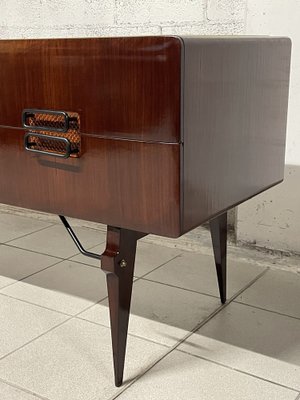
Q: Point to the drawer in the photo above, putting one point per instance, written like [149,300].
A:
[117,182]
[120,87]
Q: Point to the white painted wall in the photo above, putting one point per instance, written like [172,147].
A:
[81,18]
[282,17]
[272,219]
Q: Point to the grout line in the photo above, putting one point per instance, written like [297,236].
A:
[178,287]
[46,254]
[237,370]
[28,276]
[23,389]
[87,248]
[90,306]
[12,246]
[267,310]
[77,315]
[298,397]
[35,304]
[197,327]
[232,298]
[51,255]
[47,331]
[81,262]
[93,266]
[35,252]
[28,234]
[136,278]
[35,338]
[159,266]
[39,336]
[129,334]
[60,259]
[98,302]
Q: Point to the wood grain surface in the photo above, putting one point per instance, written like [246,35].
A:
[124,183]
[175,131]
[235,112]
[120,87]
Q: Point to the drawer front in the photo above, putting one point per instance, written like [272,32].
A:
[120,87]
[123,183]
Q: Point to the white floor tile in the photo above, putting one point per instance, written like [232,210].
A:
[150,256]
[181,376]
[8,392]
[68,287]
[275,291]
[74,362]
[56,241]
[252,340]
[160,313]
[197,272]
[22,322]
[14,226]
[16,264]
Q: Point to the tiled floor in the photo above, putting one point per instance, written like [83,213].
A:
[55,336]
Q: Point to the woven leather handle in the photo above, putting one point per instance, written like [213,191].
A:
[45,120]
[37,143]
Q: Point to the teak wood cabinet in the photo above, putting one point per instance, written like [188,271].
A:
[144,134]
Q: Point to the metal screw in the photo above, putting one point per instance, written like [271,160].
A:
[123,263]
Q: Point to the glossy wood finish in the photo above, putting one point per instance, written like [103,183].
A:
[120,87]
[123,183]
[118,264]
[235,111]
[219,105]
[218,230]
[221,102]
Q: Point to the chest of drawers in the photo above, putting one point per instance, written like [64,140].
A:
[144,134]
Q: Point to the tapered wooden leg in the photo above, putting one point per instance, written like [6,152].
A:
[218,230]
[118,263]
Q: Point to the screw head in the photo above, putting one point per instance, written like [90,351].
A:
[123,263]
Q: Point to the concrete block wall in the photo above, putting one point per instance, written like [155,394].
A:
[81,18]
[270,220]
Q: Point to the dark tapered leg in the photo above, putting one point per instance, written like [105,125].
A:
[218,230]
[118,263]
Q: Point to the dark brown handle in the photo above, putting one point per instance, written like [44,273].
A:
[32,145]
[45,120]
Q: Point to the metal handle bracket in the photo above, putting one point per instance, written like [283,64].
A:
[30,146]
[30,113]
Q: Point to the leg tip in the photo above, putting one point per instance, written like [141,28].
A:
[118,382]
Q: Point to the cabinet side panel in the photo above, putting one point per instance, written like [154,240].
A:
[235,111]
